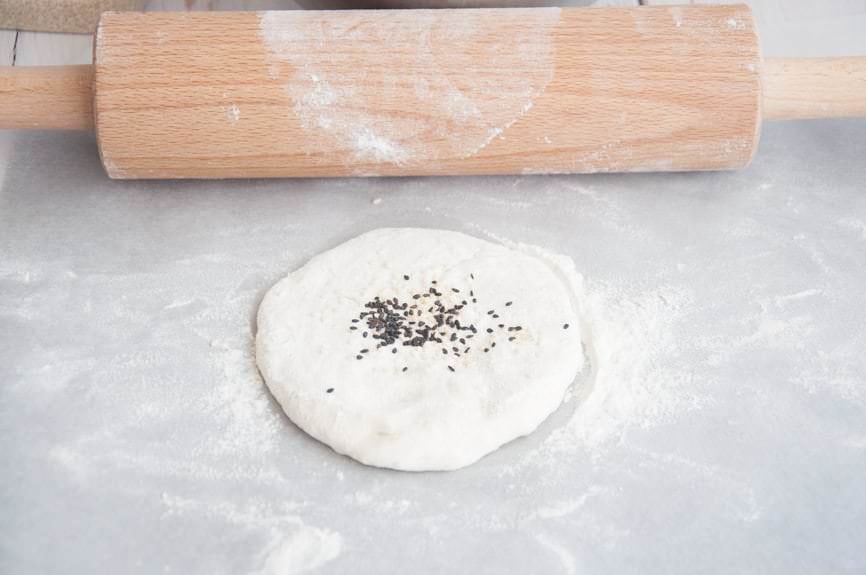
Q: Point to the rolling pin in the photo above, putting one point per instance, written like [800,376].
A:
[428,92]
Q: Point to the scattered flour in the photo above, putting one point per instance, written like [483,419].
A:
[233,113]
[677,15]
[71,461]
[291,547]
[139,396]
[735,24]
[782,300]
[304,550]
[628,338]
[338,77]
[563,554]
[564,508]
[251,425]
[854,225]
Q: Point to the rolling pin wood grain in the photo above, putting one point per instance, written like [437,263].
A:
[422,92]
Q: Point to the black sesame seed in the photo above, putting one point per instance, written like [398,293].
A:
[329,390]
[565,326]
[352,327]
[405,277]
[501,325]
[364,334]
[512,338]
[495,316]
[474,300]
[492,344]
[486,349]
[508,303]
[390,324]
[405,368]
[472,276]
[359,357]
[451,368]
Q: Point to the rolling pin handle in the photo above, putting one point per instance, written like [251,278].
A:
[804,88]
[46,97]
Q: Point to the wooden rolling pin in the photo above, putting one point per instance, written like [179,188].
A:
[428,92]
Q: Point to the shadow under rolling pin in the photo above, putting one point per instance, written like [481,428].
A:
[428,92]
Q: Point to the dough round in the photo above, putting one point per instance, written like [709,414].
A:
[419,349]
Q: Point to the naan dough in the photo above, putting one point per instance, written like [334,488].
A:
[429,405]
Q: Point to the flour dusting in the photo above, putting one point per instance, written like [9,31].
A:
[562,553]
[291,546]
[626,336]
[233,113]
[565,508]
[854,225]
[425,97]
[304,550]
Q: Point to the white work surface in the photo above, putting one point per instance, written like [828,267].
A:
[137,437]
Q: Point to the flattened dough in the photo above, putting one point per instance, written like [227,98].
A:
[486,341]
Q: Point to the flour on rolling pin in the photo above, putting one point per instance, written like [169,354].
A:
[443,102]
